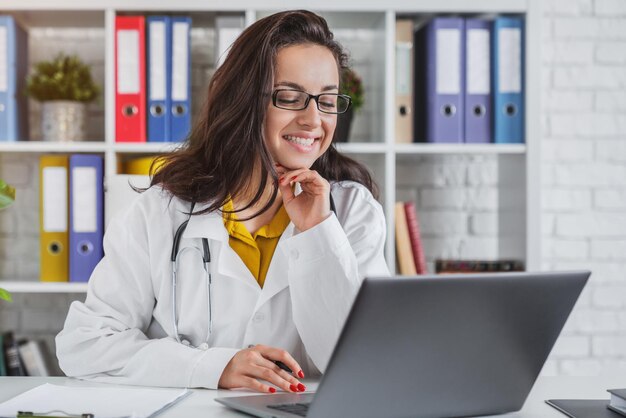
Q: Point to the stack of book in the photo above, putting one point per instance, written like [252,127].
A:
[23,357]
[477,266]
[409,248]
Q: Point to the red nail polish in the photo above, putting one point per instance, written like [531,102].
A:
[281,178]
[301,387]
[301,374]
[272,390]
[293,388]
[293,178]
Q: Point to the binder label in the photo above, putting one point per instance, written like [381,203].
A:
[510,60]
[128,62]
[448,46]
[403,68]
[54,199]
[157,61]
[180,60]
[4,59]
[478,61]
[84,200]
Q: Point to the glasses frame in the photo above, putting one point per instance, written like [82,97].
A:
[308,99]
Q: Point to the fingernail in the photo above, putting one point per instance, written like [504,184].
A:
[293,178]
[272,390]
[301,374]
[293,388]
[301,387]
[281,178]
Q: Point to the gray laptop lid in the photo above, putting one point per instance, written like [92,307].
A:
[445,345]
[438,346]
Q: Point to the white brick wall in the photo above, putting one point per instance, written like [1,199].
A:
[584,188]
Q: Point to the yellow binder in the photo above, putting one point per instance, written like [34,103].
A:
[53,218]
[141,166]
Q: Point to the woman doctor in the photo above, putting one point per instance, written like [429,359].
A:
[265,271]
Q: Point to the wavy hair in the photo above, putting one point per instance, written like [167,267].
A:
[227,145]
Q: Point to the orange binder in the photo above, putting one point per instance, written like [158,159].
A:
[130,80]
[53,218]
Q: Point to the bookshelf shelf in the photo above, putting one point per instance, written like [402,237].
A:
[459,149]
[39,287]
[60,147]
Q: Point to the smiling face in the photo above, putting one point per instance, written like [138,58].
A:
[296,138]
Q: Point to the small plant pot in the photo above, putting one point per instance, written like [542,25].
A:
[63,121]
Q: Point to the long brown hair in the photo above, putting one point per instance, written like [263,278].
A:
[226,145]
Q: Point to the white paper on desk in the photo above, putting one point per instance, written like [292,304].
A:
[103,402]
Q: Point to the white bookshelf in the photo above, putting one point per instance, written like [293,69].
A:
[365,27]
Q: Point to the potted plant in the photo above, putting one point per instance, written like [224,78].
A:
[7,196]
[64,86]
[352,85]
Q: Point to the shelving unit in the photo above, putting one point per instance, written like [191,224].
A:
[367,29]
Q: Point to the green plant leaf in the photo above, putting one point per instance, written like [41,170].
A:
[7,195]
[4,295]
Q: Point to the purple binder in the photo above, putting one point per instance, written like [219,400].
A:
[86,215]
[439,69]
[478,113]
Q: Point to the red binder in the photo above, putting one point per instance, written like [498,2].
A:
[130,81]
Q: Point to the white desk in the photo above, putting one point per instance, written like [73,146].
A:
[201,403]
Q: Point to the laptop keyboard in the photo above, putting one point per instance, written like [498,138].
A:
[299,409]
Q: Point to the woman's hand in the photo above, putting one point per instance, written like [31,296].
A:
[310,207]
[256,363]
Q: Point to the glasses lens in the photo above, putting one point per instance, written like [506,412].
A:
[290,99]
[333,103]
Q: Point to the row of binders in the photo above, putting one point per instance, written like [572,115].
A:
[153,75]
[71,216]
[153,101]
[460,80]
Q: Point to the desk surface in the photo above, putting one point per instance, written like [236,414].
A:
[201,402]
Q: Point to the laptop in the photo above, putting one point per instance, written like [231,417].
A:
[435,346]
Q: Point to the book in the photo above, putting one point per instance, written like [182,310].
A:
[32,356]
[415,238]
[3,367]
[404,253]
[477,266]
[583,408]
[618,401]
[14,364]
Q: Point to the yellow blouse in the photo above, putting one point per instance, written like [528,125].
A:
[256,250]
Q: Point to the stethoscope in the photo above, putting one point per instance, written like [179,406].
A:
[206,260]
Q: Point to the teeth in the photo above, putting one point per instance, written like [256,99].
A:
[299,141]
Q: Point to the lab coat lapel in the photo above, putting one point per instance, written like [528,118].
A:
[225,261]
[276,278]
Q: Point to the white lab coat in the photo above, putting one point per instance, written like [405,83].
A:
[123,333]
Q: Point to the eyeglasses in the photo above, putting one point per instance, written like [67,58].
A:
[297,100]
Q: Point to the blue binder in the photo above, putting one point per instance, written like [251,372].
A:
[13,103]
[508,80]
[86,215]
[439,81]
[159,51]
[478,97]
[180,116]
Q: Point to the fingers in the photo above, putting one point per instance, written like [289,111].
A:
[254,368]
[283,381]
[281,355]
